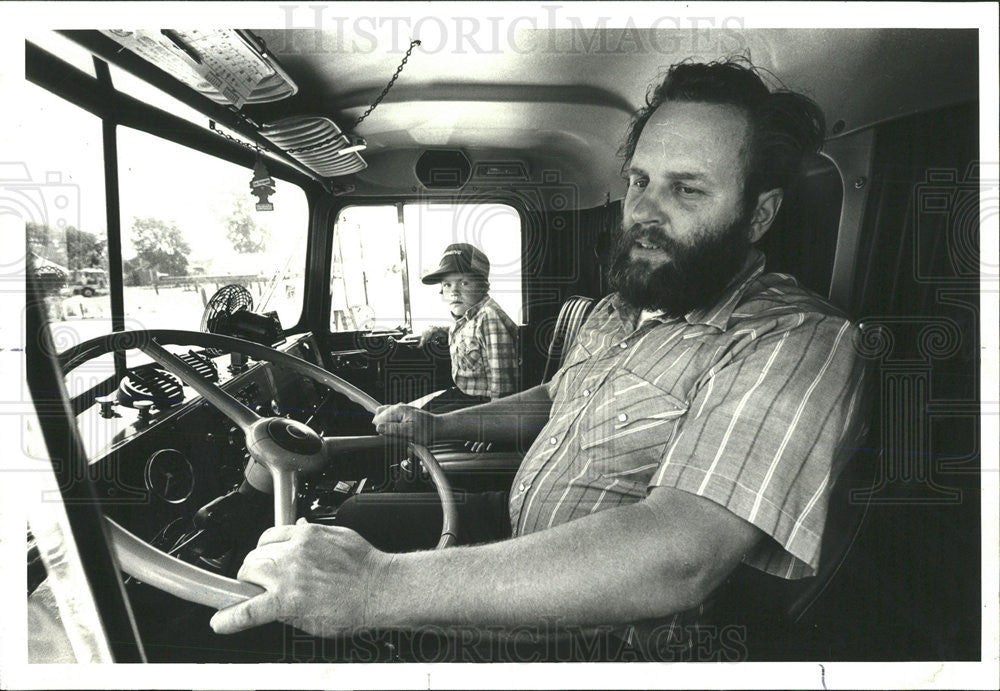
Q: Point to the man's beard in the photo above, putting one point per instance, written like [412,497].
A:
[693,277]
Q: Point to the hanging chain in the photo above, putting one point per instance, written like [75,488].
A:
[413,44]
[225,135]
[256,147]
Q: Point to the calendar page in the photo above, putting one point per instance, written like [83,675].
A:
[206,60]
[228,63]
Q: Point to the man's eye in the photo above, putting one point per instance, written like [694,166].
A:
[639,182]
[687,191]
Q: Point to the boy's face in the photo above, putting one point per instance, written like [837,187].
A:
[462,291]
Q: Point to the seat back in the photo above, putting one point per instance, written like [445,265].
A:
[849,501]
[802,241]
[574,311]
[772,607]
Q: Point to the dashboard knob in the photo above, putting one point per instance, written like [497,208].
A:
[107,404]
[145,409]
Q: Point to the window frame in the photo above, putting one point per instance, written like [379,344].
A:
[342,203]
[114,108]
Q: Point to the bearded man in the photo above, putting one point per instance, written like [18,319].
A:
[697,423]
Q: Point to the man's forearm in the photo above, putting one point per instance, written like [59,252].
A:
[661,555]
[508,419]
[614,566]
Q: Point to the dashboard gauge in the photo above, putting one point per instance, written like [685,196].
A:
[169,476]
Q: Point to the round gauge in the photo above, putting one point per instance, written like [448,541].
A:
[169,476]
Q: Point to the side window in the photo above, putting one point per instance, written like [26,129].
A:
[59,193]
[493,228]
[380,253]
[366,282]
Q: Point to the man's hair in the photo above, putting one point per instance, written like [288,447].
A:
[785,126]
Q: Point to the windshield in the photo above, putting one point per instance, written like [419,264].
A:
[190,227]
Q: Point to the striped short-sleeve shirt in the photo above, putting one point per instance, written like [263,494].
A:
[483,346]
[753,404]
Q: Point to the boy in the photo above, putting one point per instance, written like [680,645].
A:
[483,339]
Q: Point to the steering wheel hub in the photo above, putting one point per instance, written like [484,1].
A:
[285,445]
[293,436]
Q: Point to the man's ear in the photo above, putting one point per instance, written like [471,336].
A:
[765,212]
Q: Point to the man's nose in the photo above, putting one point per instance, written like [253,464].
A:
[648,211]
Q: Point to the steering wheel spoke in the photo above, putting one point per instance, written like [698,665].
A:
[226,404]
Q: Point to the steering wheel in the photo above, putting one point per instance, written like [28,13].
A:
[280,450]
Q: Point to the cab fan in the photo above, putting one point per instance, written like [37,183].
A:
[230,313]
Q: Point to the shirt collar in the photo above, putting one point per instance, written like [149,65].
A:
[471,312]
[719,313]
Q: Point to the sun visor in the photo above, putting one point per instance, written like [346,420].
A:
[318,144]
[228,66]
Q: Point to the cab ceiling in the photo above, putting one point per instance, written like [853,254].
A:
[562,100]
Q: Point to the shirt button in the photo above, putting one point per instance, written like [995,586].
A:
[523,486]
[623,345]
[622,417]
[586,392]
[553,441]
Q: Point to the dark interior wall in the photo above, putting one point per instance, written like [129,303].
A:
[911,586]
[803,239]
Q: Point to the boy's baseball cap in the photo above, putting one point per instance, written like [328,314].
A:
[462,259]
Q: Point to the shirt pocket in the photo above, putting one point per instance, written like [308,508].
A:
[627,427]
[467,359]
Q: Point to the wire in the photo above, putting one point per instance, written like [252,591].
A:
[184,541]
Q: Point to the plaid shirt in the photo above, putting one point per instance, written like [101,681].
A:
[484,351]
[752,404]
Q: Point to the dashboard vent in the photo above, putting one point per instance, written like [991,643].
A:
[201,364]
[150,384]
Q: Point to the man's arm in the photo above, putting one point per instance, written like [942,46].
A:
[507,419]
[662,555]
[649,559]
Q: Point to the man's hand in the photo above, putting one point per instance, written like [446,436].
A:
[431,333]
[306,570]
[406,422]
